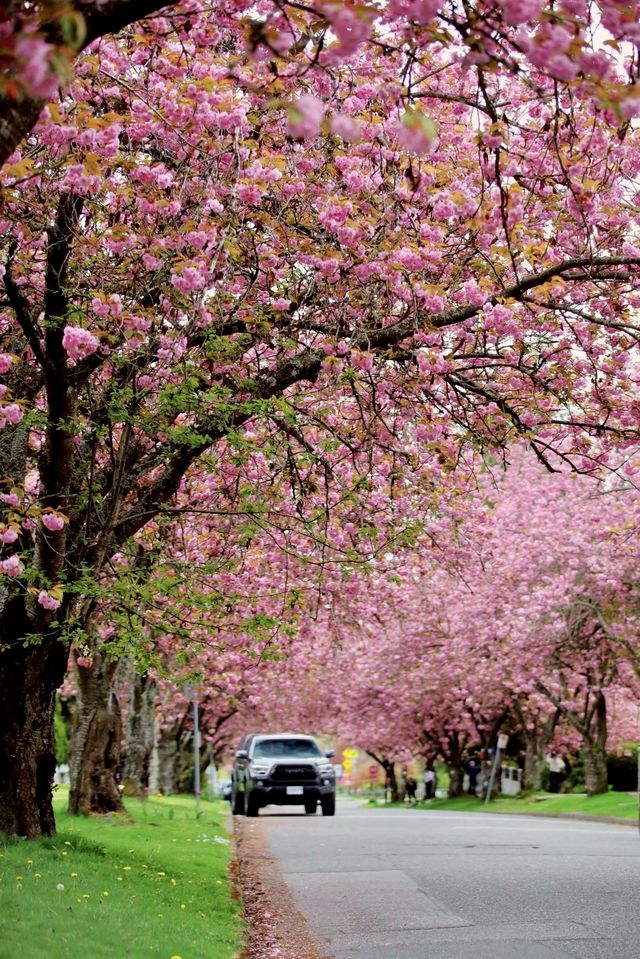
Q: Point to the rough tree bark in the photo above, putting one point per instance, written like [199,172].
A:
[537,739]
[96,739]
[168,752]
[139,735]
[33,657]
[453,750]
[595,749]
[29,677]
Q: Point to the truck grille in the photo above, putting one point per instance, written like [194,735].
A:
[293,774]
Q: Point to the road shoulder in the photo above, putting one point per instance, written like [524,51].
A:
[276,927]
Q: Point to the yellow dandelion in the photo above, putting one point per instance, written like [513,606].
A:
[218,882]
[176,957]
[173,882]
[85,895]
[118,878]
[74,875]
[161,874]
[126,868]
[67,843]
[78,900]
[105,893]
[64,852]
[182,905]
[18,878]
[29,862]
[37,875]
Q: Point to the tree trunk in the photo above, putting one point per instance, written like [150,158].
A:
[452,752]
[185,764]
[456,780]
[596,775]
[167,766]
[537,738]
[95,745]
[167,753]
[391,779]
[139,736]
[29,677]
[534,764]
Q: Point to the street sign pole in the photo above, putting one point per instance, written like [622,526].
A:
[196,753]
[502,744]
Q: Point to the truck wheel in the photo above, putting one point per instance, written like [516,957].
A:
[310,808]
[328,804]
[251,805]
[237,804]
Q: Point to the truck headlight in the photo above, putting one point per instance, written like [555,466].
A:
[260,769]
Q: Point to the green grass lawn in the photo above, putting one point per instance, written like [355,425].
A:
[615,804]
[153,883]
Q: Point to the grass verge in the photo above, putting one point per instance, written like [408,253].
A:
[612,804]
[152,883]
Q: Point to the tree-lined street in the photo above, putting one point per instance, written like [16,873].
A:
[320,411]
[434,885]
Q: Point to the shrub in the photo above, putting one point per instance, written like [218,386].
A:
[623,769]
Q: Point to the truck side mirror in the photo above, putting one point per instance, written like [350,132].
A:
[242,754]
[330,754]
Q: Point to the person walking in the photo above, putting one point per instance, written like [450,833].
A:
[429,783]
[412,787]
[557,767]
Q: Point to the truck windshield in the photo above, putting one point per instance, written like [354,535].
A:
[277,748]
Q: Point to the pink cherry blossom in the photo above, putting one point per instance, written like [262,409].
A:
[345,126]
[79,342]
[52,521]
[12,413]
[11,566]
[305,116]
[519,11]
[37,73]
[47,601]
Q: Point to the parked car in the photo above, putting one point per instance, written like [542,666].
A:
[284,769]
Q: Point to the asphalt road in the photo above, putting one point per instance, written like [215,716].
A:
[414,884]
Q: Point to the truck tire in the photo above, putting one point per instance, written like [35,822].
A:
[328,804]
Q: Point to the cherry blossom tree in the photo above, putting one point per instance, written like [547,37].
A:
[188,283]
[592,47]
[516,626]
